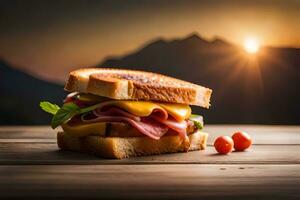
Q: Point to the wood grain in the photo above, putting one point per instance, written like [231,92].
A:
[151,182]
[32,167]
[261,134]
[48,153]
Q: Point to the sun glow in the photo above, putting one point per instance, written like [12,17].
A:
[251,45]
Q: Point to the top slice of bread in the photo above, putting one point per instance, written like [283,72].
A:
[125,84]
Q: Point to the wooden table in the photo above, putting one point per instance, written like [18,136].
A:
[31,166]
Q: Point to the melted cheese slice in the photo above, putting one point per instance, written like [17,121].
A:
[144,108]
[82,130]
[141,108]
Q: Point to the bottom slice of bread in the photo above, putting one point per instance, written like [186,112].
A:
[123,147]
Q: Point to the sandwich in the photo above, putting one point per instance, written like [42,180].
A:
[117,113]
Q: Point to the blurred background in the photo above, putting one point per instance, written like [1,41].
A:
[248,52]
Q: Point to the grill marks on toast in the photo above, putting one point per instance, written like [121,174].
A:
[137,85]
[141,77]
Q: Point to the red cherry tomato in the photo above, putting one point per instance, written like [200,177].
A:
[241,141]
[224,144]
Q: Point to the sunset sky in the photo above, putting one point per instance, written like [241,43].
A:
[49,37]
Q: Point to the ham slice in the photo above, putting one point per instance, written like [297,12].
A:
[160,114]
[147,126]
[154,126]
[179,127]
[157,112]
[114,111]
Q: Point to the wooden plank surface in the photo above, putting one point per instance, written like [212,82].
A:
[151,182]
[48,153]
[37,145]
[261,134]
[31,166]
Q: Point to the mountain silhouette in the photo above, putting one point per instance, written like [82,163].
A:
[21,94]
[262,88]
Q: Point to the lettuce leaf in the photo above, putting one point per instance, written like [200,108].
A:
[198,121]
[65,113]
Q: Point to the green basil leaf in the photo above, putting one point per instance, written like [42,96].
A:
[64,114]
[49,107]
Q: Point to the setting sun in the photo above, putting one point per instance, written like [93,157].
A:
[251,45]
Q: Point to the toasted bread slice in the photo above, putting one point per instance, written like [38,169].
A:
[123,147]
[137,85]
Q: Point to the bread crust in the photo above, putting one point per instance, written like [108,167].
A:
[137,85]
[123,147]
